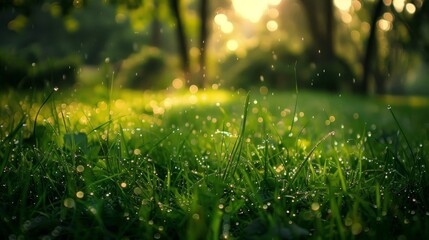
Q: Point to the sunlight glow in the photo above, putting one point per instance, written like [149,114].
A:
[346,17]
[343,5]
[273,13]
[253,10]
[250,9]
[177,83]
[272,25]
[220,19]
[399,5]
[232,45]
[384,25]
[411,8]
[193,89]
[227,27]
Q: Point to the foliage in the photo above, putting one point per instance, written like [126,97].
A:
[18,72]
[91,32]
[145,69]
[212,164]
[280,68]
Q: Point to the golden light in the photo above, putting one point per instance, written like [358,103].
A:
[411,8]
[387,2]
[227,27]
[177,83]
[274,2]
[384,25]
[399,5]
[388,16]
[355,35]
[356,5]
[80,194]
[251,10]
[272,25]
[193,89]
[346,17]
[220,19]
[273,13]
[232,45]
[343,5]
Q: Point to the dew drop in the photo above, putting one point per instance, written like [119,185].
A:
[315,206]
[80,194]
[80,168]
[69,203]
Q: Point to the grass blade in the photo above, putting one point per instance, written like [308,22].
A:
[309,155]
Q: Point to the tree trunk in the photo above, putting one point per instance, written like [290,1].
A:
[181,37]
[156,27]
[371,50]
[320,21]
[321,25]
[203,42]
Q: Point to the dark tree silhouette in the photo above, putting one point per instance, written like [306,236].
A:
[156,27]
[181,37]
[370,53]
[204,6]
[321,25]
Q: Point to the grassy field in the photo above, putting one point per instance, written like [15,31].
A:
[118,164]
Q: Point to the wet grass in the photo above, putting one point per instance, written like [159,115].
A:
[103,163]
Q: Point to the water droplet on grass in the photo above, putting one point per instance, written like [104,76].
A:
[315,206]
[69,203]
[137,191]
[80,168]
[80,194]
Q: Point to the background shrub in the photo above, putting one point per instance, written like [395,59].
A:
[143,70]
[281,68]
[19,72]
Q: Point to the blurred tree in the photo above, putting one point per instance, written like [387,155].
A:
[321,24]
[397,36]
[153,21]
[370,54]
[156,26]
[203,13]
[182,39]
[181,36]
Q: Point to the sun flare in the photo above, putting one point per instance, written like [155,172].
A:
[253,10]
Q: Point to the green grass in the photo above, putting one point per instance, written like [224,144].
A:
[102,163]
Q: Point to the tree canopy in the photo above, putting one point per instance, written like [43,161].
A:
[361,46]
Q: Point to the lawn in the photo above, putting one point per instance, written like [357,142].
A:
[115,164]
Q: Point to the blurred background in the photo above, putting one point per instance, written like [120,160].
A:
[364,47]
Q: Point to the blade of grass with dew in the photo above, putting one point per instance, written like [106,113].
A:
[40,109]
[234,157]
[403,134]
[296,101]
[309,155]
